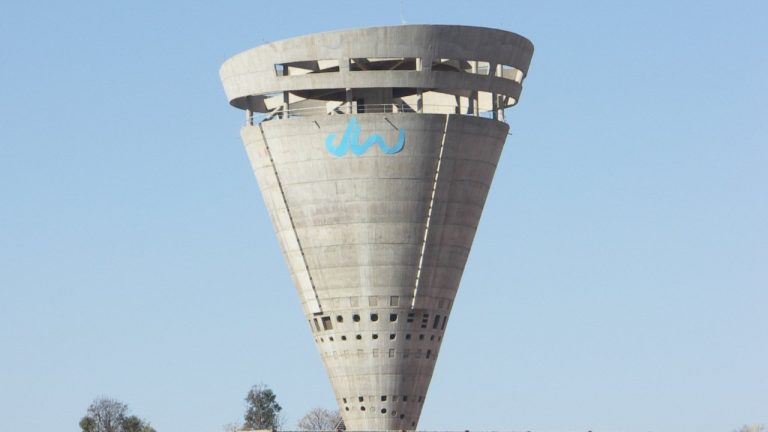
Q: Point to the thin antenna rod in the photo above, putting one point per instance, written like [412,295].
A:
[402,12]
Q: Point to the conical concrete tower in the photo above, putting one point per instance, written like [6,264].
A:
[374,150]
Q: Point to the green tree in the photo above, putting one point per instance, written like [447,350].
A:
[87,424]
[109,415]
[262,410]
[135,424]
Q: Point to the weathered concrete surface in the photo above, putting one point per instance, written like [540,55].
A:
[360,226]
[252,73]
[376,242]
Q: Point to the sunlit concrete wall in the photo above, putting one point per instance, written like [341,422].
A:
[376,240]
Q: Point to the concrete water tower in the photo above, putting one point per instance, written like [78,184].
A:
[374,150]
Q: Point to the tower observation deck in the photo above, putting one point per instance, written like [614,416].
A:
[374,150]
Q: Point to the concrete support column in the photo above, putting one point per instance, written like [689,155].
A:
[419,101]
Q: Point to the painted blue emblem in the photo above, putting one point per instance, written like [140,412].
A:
[351,141]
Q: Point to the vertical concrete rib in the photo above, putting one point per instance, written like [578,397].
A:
[314,304]
[429,212]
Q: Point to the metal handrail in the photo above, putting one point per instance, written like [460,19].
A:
[281,113]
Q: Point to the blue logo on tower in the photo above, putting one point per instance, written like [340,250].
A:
[351,141]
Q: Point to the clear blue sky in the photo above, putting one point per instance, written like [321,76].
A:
[618,281]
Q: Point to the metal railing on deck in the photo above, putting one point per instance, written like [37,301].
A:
[281,113]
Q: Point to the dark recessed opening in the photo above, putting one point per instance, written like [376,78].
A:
[356,318]
[436,322]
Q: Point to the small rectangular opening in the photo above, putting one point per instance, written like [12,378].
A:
[511,72]
[436,322]
[450,65]
[306,67]
[382,63]
[327,325]
[482,67]
[479,67]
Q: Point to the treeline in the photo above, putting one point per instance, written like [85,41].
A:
[261,412]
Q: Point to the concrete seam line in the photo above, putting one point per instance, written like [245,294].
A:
[290,218]
[429,213]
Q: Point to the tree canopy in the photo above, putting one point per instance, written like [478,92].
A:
[320,419]
[110,415]
[262,410]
